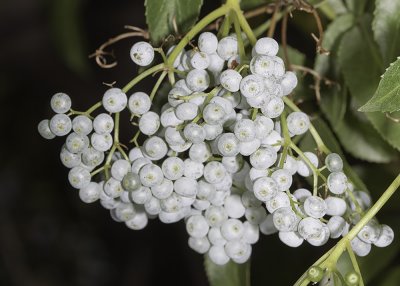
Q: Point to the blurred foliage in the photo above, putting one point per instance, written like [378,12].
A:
[231,274]
[68,33]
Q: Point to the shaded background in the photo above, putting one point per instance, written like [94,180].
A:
[47,235]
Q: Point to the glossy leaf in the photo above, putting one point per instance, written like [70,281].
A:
[361,66]
[386,28]
[232,274]
[161,14]
[387,96]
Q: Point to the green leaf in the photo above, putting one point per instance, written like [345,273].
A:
[332,36]
[335,5]
[391,279]
[387,96]
[334,103]
[386,28]
[66,19]
[360,61]
[231,274]
[361,67]
[302,91]
[356,6]
[333,98]
[295,56]
[160,15]
[360,139]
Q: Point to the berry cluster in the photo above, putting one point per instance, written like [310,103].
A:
[219,155]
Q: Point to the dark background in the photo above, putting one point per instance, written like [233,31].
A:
[47,235]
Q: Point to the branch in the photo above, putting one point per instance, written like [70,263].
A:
[271,29]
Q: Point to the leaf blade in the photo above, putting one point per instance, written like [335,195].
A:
[386,28]
[160,15]
[332,36]
[360,63]
[387,95]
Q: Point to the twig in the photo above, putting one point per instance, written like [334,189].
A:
[302,5]
[317,79]
[269,9]
[100,54]
[272,27]
[284,40]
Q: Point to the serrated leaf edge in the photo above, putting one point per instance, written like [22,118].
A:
[365,107]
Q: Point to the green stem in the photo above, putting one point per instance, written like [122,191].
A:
[263,27]
[87,112]
[238,31]
[314,170]
[115,144]
[375,208]
[254,114]
[116,128]
[96,171]
[141,76]
[245,25]
[353,260]
[171,77]
[318,140]
[157,85]
[303,279]
[331,257]
[93,108]
[323,148]
[135,138]
[122,151]
[225,27]
[108,161]
[354,200]
[224,9]
[161,52]
[286,138]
